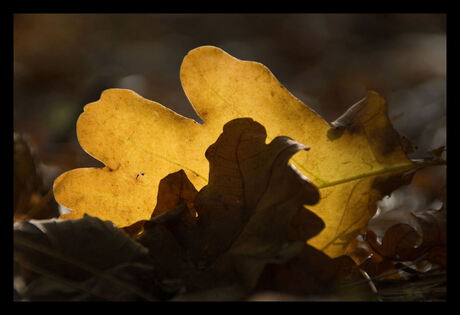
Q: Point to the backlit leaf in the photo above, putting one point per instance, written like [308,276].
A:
[140,142]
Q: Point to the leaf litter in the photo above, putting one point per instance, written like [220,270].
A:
[245,226]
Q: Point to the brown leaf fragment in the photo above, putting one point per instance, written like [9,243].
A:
[437,153]
[163,236]
[172,191]
[370,261]
[169,233]
[377,265]
[403,242]
[175,211]
[399,242]
[310,272]
[438,256]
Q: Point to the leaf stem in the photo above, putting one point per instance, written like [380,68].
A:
[404,167]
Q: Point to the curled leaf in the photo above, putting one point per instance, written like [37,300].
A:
[247,175]
[403,242]
[245,214]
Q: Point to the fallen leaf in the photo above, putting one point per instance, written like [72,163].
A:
[404,242]
[141,142]
[85,259]
[310,272]
[245,216]
[369,260]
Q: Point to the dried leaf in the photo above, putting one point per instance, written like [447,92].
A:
[403,242]
[310,272]
[140,142]
[132,136]
[370,261]
[244,215]
[85,259]
[172,191]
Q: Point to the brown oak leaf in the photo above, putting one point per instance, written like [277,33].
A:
[251,214]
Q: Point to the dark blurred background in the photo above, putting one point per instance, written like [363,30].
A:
[64,61]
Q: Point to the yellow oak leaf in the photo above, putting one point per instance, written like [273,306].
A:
[141,142]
